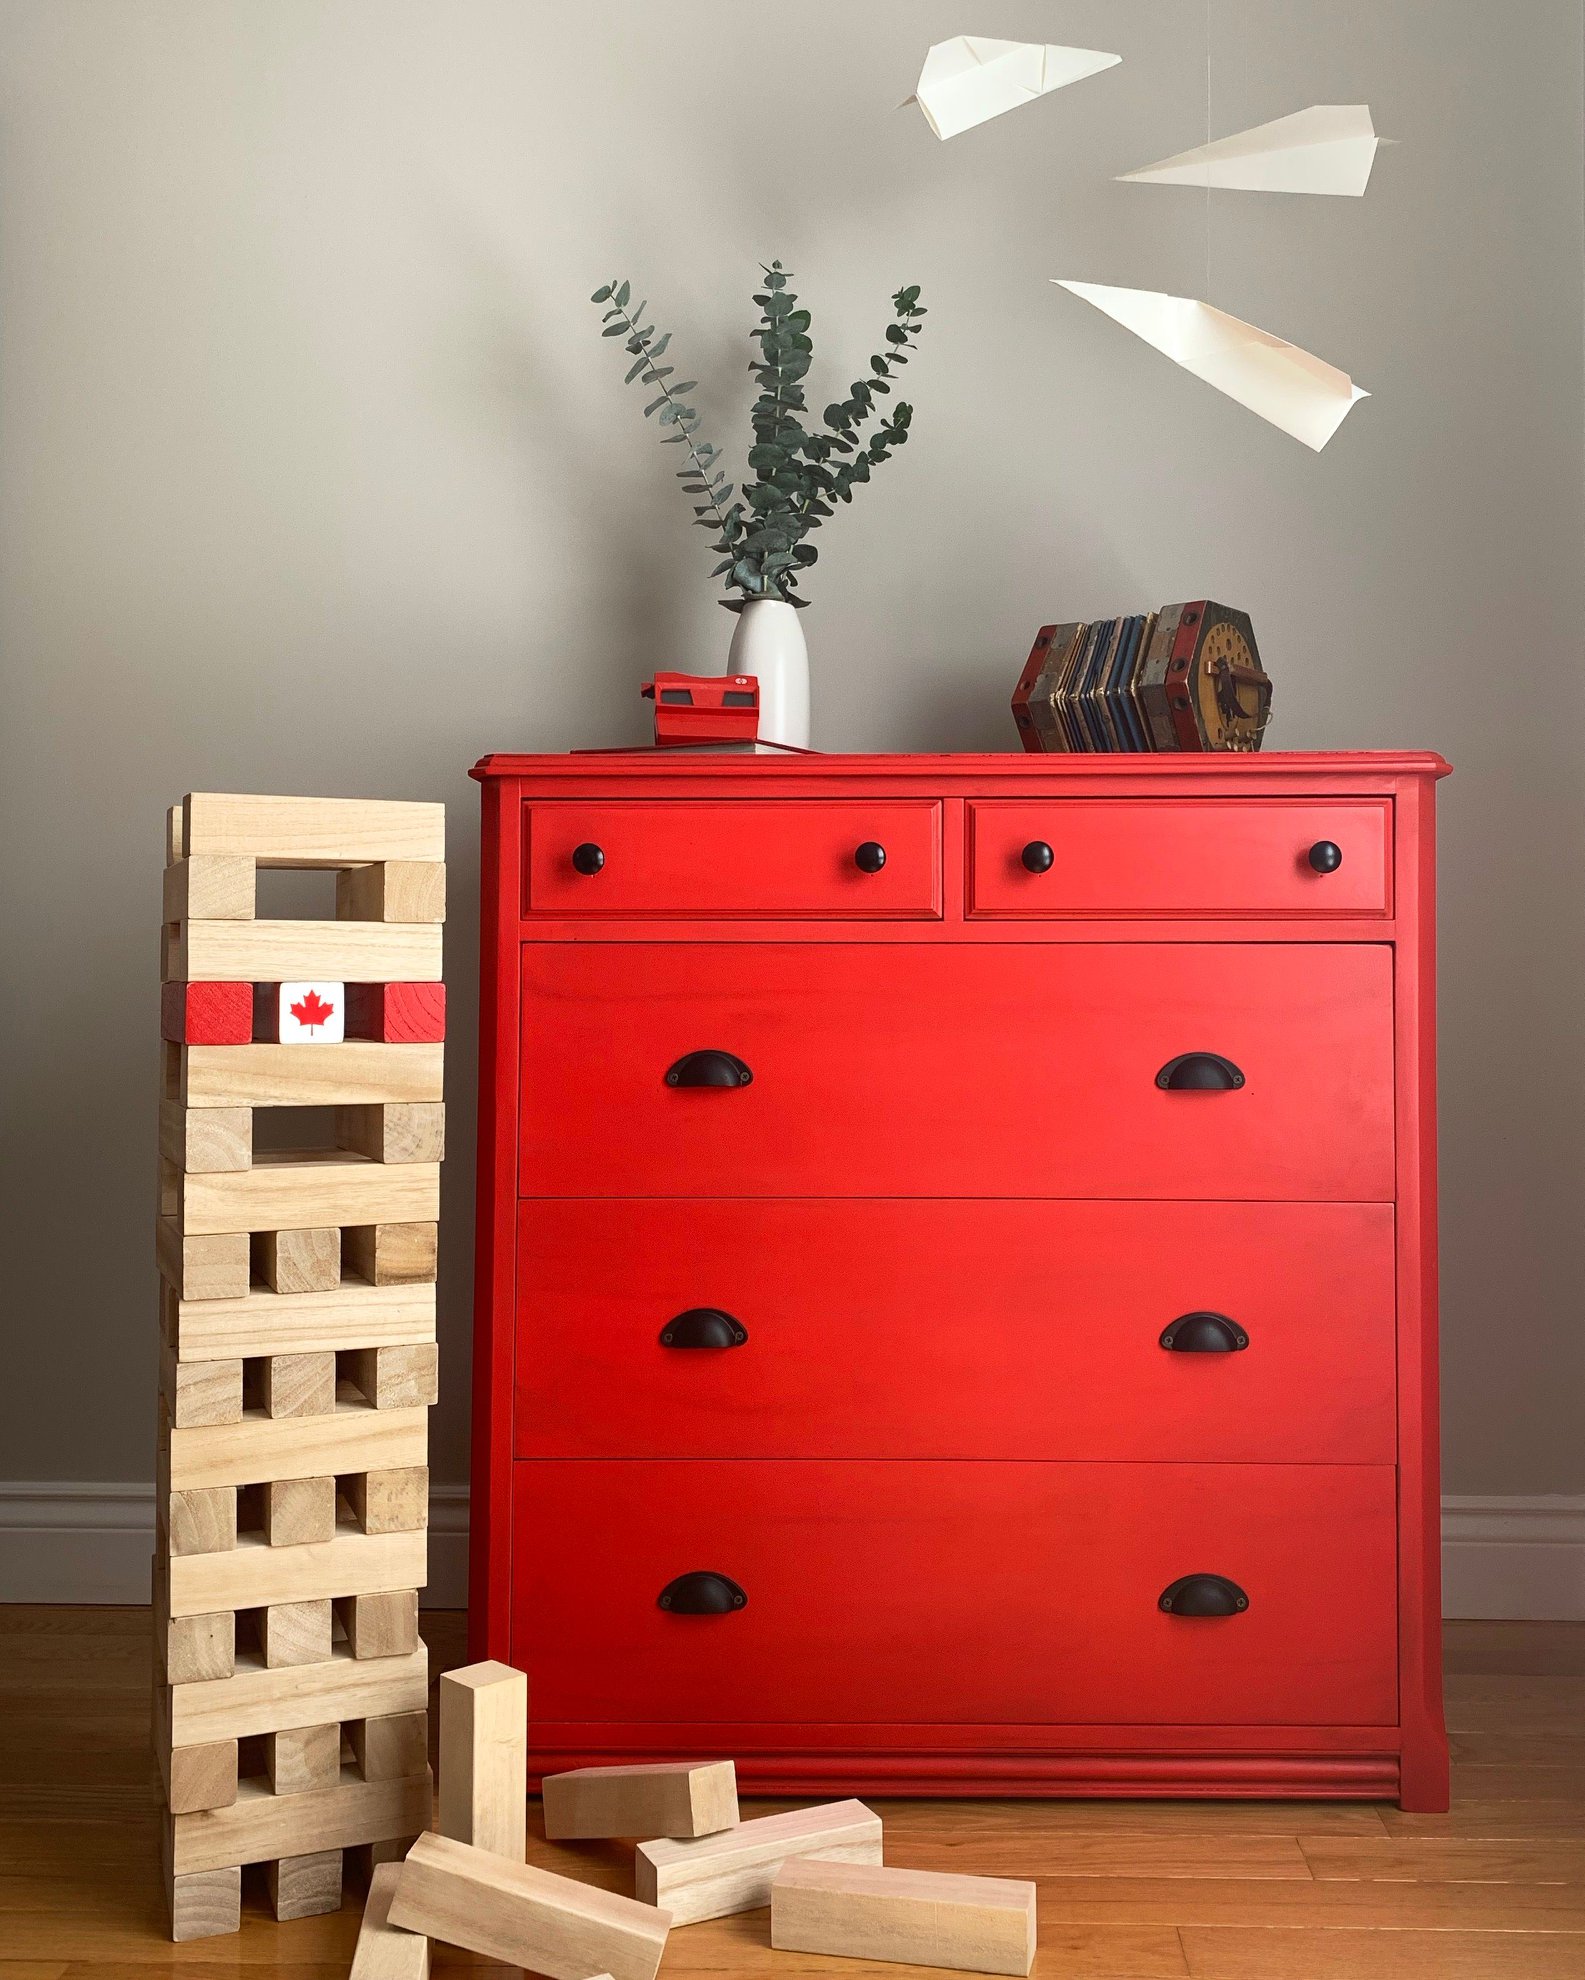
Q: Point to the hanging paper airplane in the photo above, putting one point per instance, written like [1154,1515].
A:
[1328,148]
[968,80]
[1283,384]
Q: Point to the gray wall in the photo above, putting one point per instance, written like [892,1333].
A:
[316,476]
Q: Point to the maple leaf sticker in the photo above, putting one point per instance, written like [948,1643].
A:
[312,1011]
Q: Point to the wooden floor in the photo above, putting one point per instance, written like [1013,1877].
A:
[1128,1891]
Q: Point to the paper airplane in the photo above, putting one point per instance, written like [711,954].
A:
[968,80]
[1328,148]
[1277,380]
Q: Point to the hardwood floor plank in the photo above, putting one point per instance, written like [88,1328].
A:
[32,1969]
[1280,1953]
[1444,1860]
[1539,1648]
[1508,1704]
[1266,1858]
[1207,1901]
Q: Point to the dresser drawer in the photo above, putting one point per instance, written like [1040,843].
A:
[1115,858]
[975,1070]
[962,1593]
[745,857]
[955,1329]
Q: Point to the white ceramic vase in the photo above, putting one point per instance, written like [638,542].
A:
[768,642]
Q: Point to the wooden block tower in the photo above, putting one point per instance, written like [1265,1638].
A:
[298,1360]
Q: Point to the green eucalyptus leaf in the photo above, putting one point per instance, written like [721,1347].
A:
[601,295]
[622,295]
[613,330]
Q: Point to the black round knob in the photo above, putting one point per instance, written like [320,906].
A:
[870,857]
[1037,856]
[588,858]
[1326,857]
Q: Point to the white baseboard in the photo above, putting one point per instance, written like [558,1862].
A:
[1522,1559]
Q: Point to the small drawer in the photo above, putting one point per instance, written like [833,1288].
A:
[867,860]
[1180,859]
[993,1594]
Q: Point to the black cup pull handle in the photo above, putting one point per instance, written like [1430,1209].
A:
[1199,1072]
[588,858]
[1204,1333]
[703,1327]
[870,857]
[1037,857]
[1203,1595]
[1325,856]
[709,1068]
[702,1593]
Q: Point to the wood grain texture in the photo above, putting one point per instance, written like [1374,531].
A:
[305,1886]
[395,1377]
[916,1917]
[392,890]
[353,1438]
[396,1132]
[391,1501]
[206,1138]
[284,951]
[297,1261]
[713,1876]
[357,1072]
[320,1186]
[392,1747]
[301,1758]
[484,1758]
[260,1825]
[384,1951]
[260,1322]
[211,887]
[311,831]
[255,1699]
[393,1254]
[253,1573]
[673,1798]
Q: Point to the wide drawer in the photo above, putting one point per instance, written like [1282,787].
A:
[734,857]
[1177,859]
[944,1070]
[916,1593]
[955,1329]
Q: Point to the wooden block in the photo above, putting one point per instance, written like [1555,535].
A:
[201,1522]
[305,1886]
[384,1951]
[215,887]
[261,1825]
[214,1267]
[392,890]
[675,1798]
[249,952]
[200,1776]
[299,1261]
[206,1013]
[255,1700]
[397,1013]
[295,1633]
[204,1903]
[393,1501]
[318,1186]
[359,1072]
[383,1624]
[354,1438]
[297,1384]
[526,1917]
[393,1254]
[353,1314]
[298,1511]
[175,834]
[202,1140]
[200,1392]
[312,831]
[301,1758]
[393,1747]
[299,1012]
[915,1917]
[395,1377]
[713,1876]
[398,1132]
[199,1648]
[484,1758]
[255,1575]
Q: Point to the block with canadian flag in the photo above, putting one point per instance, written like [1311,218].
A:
[300,1013]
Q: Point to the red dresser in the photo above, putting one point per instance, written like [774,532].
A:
[957,1270]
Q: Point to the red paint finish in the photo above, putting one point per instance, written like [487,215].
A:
[887,1592]
[206,1013]
[1041,1322]
[951,1464]
[397,1013]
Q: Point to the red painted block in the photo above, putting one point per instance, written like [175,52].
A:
[206,1013]
[397,1013]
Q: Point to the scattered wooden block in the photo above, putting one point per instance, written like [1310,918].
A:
[298,1511]
[305,1886]
[204,1903]
[352,1439]
[385,1951]
[395,1377]
[915,1917]
[297,1384]
[392,890]
[300,1013]
[252,952]
[203,1140]
[357,1073]
[200,1392]
[201,1522]
[397,1013]
[299,1261]
[212,887]
[526,1917]
[390,1501]
[302,1758]
[312,831]
[405,1131]
[675,1798]
[384,1624]
[713,1876]
[292,1191]
[295,1633]
[261,1825]
[208,1267]
[206,1013]
[484,1758]
[393,1254]
[391,1748]
[200,1776]
[255,1701]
